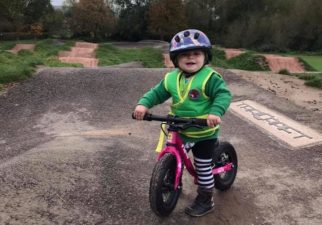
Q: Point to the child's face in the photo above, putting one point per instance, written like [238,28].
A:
[191,61]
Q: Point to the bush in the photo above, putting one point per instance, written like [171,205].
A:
[248,61]
[219,58]
[284,71]
[218,54]
[311,79]
[315,82]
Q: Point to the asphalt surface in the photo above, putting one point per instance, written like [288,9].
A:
[71,154]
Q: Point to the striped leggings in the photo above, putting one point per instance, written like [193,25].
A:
[202,153]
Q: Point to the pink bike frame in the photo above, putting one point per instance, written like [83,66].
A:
[175,147]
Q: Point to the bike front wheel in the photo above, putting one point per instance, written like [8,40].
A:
[225,153]
[163,197]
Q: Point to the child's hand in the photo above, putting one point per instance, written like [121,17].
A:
[139,112]
[213,120]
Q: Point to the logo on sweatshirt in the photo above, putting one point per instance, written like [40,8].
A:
[194,94]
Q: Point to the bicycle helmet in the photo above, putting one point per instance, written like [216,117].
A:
[188,40]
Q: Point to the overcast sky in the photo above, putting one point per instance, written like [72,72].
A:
[57,2]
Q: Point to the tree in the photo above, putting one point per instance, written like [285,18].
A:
[11,15]
[166,18]
[55,24]
[34,10]
[305,21]
[24,15]
[204,15]
[132,19]
[93,18]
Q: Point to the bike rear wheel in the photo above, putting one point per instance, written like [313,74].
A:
[163,197]
[224,154]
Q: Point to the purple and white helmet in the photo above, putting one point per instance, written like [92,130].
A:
[188,40]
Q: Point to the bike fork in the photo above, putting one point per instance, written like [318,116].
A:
[179,165]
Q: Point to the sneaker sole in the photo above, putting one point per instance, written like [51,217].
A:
[199,215]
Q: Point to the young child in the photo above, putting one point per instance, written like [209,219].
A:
[197,91]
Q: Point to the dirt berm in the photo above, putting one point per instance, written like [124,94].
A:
[71,154]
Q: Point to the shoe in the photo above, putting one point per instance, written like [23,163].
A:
[203,203]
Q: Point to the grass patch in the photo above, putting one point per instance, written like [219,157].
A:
[315,82]
[245,61]
[312,62]
[14,67]
[306,65]
[219,58]
[249,61]
[311,79]
[7,45]
[17,67]
[111,55]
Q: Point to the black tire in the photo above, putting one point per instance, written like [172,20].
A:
[225,153]
[163,197]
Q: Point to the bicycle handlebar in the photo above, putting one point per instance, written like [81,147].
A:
[174,119]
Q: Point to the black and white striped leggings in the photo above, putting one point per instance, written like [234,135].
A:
[202,153]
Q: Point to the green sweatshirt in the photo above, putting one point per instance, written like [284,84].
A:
[215,89]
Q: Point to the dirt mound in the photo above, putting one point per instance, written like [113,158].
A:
[167,61]
[83,53]
[277,63]
[87,62]
[19,47]
[86,45]
[78,52]
[232,52]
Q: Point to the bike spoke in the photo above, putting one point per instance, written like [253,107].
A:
[168,186]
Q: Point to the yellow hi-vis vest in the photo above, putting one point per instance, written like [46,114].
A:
[190,100]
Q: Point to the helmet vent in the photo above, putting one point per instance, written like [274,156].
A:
[186,33]
[177,38]
[196,36]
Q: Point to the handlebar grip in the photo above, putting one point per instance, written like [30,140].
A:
[201,122]
[195,121]
[147,116]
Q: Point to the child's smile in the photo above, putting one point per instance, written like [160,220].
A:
[191,61]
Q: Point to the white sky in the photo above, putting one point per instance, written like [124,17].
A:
[57,2]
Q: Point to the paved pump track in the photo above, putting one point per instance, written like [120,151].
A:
[71,154]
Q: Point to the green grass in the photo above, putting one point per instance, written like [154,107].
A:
[219,58]
[311,79]
[17,67]
[313,61]
[7,45]
[111,55]
[245,61]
